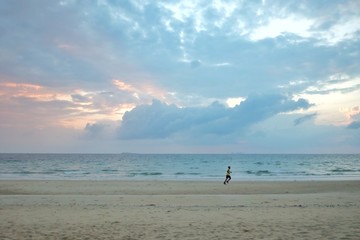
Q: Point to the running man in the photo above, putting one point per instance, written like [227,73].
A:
[228,176]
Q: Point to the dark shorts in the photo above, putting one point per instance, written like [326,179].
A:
[228,177]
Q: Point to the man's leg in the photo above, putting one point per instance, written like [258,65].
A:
[228,179]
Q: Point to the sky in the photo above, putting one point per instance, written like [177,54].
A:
[184,76]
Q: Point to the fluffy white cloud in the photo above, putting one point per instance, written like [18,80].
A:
[281,26]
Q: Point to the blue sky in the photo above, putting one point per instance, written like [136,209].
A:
[180,76]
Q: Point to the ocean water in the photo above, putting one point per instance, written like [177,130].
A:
[129,166]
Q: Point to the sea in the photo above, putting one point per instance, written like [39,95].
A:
[134,167]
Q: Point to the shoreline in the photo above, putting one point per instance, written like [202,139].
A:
[160,187]
[179,210]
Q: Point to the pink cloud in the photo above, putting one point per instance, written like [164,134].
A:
[32,105]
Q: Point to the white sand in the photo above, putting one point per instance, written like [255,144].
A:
[179,210]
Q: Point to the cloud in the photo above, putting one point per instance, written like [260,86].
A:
[94,129]
[129,41]
[103,130]
[327,25]
[278,134]
[354,125]
[277,27]
[336,98]
[159,120]
[307,117]
[68,63]
[335,83]
[71,108]
[195,63]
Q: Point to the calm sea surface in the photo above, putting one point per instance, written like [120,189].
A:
[179,166]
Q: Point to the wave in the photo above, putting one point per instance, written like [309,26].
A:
[183,173]
[65,170]
[28,172]
[259,173]
[110,170]
[149,173]
[339,170]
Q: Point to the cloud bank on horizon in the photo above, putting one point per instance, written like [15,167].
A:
[180,76]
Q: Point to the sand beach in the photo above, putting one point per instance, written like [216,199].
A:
[179,210]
